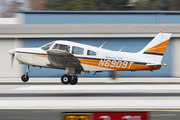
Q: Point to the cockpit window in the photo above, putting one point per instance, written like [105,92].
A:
[62,47]
[77,50]
[47,46]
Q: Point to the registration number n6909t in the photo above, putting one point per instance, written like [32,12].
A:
[115,63]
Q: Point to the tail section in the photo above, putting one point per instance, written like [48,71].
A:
[154,51]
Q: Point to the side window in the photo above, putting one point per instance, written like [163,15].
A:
[77,50]
[62,47]
[89,52]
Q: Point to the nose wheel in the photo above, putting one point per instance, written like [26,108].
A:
[66,79]
[25,77]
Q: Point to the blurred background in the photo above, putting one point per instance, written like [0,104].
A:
[8,7]
[129,23]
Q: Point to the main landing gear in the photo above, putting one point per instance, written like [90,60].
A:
[65,79]
[25,77]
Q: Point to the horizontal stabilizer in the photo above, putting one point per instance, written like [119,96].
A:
[156,65]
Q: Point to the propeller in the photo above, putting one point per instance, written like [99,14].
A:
[12,52]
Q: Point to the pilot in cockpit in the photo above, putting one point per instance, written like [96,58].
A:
[59,47]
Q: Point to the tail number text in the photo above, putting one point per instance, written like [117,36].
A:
[114,63]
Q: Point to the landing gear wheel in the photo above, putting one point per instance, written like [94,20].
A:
[25,78]
[74,81]
[65,79]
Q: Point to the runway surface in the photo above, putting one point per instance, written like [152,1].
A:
[49,93]
[159,96]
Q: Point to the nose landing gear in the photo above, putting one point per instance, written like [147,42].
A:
[25,77]
[65,79]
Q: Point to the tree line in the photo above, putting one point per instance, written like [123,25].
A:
[9,8]
[106,5]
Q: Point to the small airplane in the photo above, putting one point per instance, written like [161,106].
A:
[75,58]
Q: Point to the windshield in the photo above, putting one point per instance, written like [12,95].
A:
[47,46]
[62,47]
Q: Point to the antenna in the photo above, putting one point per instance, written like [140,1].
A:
[121,48]
[102,44]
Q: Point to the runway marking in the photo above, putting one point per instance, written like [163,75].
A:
[79,104]
[102,87]
[87,94]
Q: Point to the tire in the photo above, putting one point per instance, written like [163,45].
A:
[25,79]
[74,81]
[65,79]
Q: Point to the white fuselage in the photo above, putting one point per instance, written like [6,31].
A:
[100,59]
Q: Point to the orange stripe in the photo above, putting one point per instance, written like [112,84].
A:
[160,48]
[128,66]
[89,62]
[45,56]
[143,67]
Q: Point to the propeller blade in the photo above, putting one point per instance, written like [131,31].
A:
[12,61]
[12,52]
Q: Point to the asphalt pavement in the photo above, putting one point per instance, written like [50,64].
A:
[47,98]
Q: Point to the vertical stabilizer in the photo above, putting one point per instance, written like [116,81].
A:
[154,51]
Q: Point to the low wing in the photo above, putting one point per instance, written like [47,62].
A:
[62,59]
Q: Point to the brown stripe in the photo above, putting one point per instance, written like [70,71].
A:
[31,53]
[88,58]
[99,59]
[153,53]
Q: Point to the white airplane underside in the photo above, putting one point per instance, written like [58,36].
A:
[75,58]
